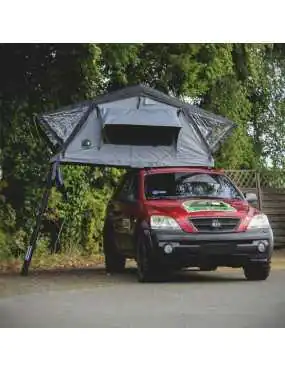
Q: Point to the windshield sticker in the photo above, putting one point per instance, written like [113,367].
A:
[207,205]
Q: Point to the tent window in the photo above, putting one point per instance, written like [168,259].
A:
[137,135]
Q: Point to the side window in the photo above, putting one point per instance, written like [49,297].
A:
[129,188]
[123,192]
[134,188]
[121,187]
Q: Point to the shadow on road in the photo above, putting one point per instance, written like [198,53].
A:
[129,275]
[188,276]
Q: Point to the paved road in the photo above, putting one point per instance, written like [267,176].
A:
[88,298]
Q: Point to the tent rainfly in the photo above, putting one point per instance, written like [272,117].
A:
[136,127]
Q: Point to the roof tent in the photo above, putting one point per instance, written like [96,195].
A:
[136,127]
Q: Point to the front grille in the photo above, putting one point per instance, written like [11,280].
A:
[215,225]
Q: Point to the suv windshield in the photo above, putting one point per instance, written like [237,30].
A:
[194,184]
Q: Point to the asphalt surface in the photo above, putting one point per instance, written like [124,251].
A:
[89,298]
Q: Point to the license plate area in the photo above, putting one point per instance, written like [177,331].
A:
[218,248]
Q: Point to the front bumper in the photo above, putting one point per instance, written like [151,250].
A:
[211,249]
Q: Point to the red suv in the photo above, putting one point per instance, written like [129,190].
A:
[173,218]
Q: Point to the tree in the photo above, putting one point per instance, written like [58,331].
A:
[211,75]
[35,78]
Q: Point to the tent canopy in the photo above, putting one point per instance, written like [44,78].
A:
[135,127]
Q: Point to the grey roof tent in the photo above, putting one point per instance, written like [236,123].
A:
[135,127]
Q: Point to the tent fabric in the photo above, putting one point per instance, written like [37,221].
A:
[141,117]
[157,130]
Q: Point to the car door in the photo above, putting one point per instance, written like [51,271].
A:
[123,211]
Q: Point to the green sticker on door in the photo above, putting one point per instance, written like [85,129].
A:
[207,205]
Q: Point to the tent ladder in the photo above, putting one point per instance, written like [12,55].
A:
[33,241]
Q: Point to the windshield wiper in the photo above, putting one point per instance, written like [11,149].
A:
[191,196]
[207,197]
[161,197]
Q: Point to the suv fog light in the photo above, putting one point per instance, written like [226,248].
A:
[261,247]
[168,249]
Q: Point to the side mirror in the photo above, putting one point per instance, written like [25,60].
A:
[130,198]
[114,183]
[251,197]
[126,198]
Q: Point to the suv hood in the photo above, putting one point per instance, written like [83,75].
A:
[199,207]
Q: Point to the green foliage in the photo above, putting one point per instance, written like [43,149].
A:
[244,82]
[4,245]
[11,239]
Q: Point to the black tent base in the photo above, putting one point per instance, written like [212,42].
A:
[34,237]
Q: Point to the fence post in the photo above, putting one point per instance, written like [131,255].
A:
[259,191]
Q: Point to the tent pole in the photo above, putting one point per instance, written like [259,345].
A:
[36,230]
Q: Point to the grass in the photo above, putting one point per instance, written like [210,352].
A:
[55,261]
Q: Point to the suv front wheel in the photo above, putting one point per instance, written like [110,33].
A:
[114,261]
[257,271]
[147,270]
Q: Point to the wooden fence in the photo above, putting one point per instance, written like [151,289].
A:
[270,189]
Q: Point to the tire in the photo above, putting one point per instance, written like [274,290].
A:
[257,271]
[114,261]
[145,266]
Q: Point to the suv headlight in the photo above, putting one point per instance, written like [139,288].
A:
[258,222]
[163,222]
